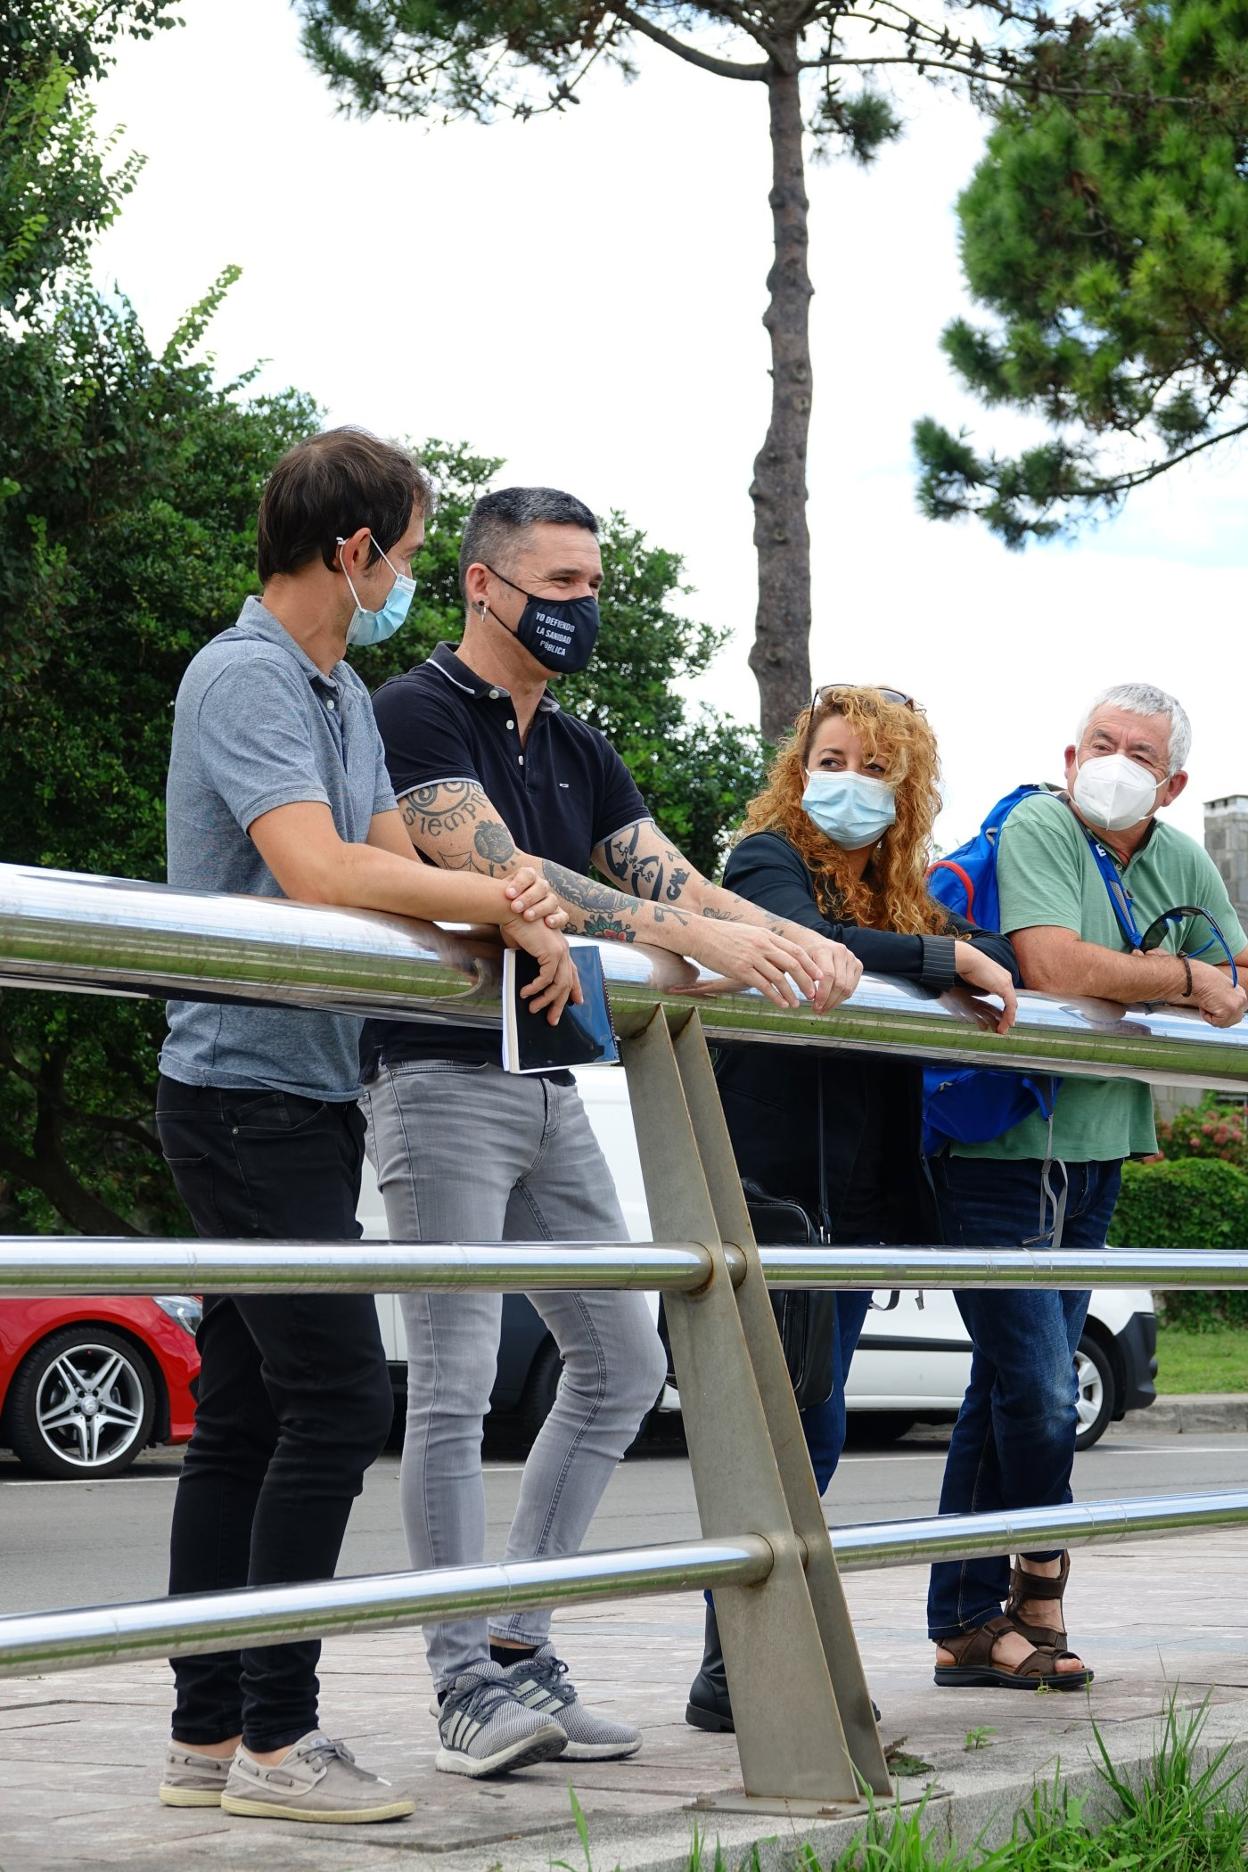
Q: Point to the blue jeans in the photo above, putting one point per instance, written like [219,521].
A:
[1013,1445]
[824,1424]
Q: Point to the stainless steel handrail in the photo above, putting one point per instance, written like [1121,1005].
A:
[1072,1524]
[46,1265]
[99,935]
[76,1264]
[204,1622]
[147,1629]
[66,930]
[1210,1270]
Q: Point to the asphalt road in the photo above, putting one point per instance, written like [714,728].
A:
[83,1543]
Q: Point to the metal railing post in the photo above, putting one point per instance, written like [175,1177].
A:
[784,1424]
[790,1736]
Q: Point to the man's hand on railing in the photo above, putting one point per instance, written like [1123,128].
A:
[557,981]
[1219,1003]
[533,899]
[744,954]
[980,972]
[839,970]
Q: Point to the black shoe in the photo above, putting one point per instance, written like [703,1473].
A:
[710,1706]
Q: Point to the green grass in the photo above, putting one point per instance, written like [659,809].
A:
[1177,1817]
[1202,1361]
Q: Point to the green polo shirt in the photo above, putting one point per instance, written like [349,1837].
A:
[1047,877]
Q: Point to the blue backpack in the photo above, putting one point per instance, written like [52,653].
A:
[971,1104]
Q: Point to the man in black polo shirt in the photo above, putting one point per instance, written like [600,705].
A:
[490,774]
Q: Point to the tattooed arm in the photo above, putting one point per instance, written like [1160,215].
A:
[453,824]
[641,859]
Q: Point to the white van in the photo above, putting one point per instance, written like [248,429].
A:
[912,1363]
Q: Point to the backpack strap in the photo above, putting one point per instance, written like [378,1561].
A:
[964,879]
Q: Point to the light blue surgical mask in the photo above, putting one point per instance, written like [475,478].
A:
[373,627]
[851,809]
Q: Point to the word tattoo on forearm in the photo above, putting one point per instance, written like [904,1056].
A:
[434,811]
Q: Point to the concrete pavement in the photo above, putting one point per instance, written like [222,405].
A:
[80,1752]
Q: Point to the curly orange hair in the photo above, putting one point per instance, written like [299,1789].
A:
[892,893]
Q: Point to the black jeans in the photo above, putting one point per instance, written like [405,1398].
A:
[293,1400]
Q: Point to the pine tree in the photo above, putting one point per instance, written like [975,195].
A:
[821,62]
[1108,236]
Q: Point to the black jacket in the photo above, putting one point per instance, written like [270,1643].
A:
[872,1103]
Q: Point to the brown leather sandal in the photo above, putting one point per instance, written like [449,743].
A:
[974,1668]
[1024,1586]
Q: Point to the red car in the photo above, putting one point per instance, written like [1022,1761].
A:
[86,1384]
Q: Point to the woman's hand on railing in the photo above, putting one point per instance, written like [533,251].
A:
[977,971]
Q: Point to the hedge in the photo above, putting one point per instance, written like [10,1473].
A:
[1193,1202]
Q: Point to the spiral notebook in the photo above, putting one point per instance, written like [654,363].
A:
[583,1036]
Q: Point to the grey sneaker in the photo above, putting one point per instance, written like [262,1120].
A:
[317,1781]
[541,1684]
[485,1730]
[192,1779]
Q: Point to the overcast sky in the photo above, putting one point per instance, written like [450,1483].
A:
[582,295]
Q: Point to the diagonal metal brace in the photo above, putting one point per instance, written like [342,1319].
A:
[800,1704]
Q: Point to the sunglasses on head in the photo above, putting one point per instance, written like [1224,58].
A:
[827,690]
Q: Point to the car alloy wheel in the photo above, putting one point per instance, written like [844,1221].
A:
[1094,1393]
[82,1404]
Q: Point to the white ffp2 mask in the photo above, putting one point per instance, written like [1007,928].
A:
[1114,792]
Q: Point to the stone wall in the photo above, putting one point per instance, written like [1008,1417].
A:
[1226,841]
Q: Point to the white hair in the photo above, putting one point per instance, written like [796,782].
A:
[1142,699]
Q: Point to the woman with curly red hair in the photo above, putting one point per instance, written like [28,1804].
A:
[839,840]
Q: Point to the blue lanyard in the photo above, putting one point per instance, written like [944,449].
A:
[1120,898]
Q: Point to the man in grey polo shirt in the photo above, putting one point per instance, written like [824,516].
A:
[278,787]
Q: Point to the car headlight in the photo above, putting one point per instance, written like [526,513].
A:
[184,1308]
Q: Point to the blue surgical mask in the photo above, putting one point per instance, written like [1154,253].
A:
[851,809]
[373,627]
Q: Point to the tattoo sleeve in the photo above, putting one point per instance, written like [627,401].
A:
[641,861]
[598,910]
[453,825]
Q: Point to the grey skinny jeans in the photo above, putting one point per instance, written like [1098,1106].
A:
[471,1153]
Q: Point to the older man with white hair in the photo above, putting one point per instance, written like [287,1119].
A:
[1100,898]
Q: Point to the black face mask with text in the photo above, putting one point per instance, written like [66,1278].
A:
[559,632]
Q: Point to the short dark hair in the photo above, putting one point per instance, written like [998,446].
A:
[326,488]
[492,530]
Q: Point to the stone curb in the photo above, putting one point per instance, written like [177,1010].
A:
[1182,1414]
